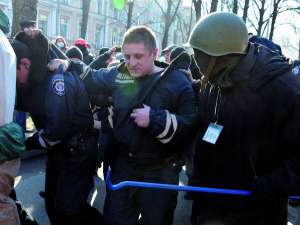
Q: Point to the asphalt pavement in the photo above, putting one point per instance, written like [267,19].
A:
[31,181]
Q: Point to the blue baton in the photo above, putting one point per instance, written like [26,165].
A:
[173,187]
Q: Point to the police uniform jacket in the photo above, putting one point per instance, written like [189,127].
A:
[171,117]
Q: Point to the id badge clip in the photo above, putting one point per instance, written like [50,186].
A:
[212,133]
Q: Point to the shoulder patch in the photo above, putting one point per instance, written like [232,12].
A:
[58,86]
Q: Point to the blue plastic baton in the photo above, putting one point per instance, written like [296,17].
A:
[173,187]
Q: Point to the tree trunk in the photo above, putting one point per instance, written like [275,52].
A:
[214,5]
[165,39]
[167,25]
[235,6]
[85,16]
[169,18]
[198,7]
[190,23]
[129,15]
[274,17]
[245,10]
[262,11]
[23,10]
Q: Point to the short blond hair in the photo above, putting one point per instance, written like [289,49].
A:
[140,34]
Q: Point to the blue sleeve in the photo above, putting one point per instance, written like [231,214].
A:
[59,110]
[175,124]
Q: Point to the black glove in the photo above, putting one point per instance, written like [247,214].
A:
[33,142]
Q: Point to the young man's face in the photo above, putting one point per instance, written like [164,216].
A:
[23,71]
[139,60]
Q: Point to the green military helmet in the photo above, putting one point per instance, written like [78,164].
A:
[219,34]
[4,22]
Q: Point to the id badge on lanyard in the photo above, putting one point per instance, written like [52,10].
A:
[214,130]
[212,133]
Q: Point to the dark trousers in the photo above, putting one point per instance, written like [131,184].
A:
[123,207]
[69,179]
[106,149]
[239,213]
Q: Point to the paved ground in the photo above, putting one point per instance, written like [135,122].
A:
[31,181]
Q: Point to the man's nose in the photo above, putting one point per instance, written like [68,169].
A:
[132,61]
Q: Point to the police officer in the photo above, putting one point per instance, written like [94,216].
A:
[59,106]
[249,124]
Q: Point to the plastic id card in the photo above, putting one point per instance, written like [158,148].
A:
[212,133]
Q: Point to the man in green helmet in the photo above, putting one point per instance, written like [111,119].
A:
[249,125]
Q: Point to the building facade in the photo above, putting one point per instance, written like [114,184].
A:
[106,25]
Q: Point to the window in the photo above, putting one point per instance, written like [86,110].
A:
[98,35]
[43,23]
[99,6]
[64,27]
[66,2]
[79,29]
[117,14]
[116,36]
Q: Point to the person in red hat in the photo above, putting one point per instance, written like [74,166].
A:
[84,46]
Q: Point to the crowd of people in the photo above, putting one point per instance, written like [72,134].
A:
[229,112]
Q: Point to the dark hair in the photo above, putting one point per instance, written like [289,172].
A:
[74,52]
[176,52]
[21,50]
[180,58]
[140,34]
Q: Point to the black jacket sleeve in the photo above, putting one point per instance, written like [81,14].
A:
[100,61]
[285,180]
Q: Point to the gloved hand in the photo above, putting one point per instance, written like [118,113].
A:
[33,142]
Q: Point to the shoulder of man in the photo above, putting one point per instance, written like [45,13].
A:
[178,76]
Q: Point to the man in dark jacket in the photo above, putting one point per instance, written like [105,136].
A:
[60,109]
[265,42]
[249,125]
[153,114]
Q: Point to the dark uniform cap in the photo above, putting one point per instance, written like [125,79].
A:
[27,23]
[74,52]
[4,22]
[175,52]
[168,49]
